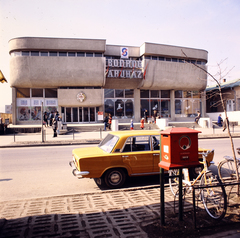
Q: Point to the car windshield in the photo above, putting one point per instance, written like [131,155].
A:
[108,143]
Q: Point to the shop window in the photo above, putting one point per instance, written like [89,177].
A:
[165,108]
[178,106]
[154,107]
[144,106]
[161,58]
[147,57]
[109,107]
[154,57]
[23,113]
[144,93]
[37,92]
[118,93]
[168,59]
[129,93]
[108,93]
[129,108]
[165,93]
[34,53]
[80,111]
[154,93]
[80,54]
[178,94]
[23,92]
[43,53]
[71,54]
[174,60]
[36,114]
[50,93]
[62,54]
[119,108]
[75,114]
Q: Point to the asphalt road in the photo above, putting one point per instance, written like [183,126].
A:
[34,172]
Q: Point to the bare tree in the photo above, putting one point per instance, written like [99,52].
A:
[224,109]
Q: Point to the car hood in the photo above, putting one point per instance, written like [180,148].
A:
[88,152]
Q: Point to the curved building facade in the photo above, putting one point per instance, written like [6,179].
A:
[84,79]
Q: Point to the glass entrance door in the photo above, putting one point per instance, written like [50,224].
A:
[79,114]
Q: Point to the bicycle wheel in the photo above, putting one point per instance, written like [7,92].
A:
[226,170]
[174,182]
[214,198]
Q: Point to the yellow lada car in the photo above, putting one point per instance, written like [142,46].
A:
[119,155]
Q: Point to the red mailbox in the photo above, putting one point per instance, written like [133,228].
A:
[179,148]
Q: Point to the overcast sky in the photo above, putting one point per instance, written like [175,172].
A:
[212,25]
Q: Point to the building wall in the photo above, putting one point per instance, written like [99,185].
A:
[33,71]
[68,97]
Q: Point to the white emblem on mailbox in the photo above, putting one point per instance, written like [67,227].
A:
[185,142]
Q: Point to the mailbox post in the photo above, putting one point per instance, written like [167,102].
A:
[179,149]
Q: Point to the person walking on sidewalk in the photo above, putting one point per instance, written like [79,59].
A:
[45,119]
[131,126]
[220,120]
[54,127]
[197,117]
[142,123]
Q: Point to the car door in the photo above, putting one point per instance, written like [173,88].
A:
[137,154]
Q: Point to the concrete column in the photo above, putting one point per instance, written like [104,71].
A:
[137,105]
[203,104]
[172,104]
[14,106]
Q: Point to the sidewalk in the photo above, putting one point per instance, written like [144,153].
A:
[35,139]
[133,212]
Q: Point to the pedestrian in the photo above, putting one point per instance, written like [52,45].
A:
[54,127]
[109,121]
[225,123]
[220,120]
[105,121]
[142,123]
[51,116]
[45,119]
[145,115]
[131,126]
[197,117]
[56,116]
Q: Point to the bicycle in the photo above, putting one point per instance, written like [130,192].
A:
[211,191]
[227,169]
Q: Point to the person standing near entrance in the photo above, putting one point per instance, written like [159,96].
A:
[105,123]
[145,114]
[109,121]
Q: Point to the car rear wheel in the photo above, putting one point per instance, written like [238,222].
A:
[115,178]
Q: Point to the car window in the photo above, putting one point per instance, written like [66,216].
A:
[156,142]
[137,143]
[108,143]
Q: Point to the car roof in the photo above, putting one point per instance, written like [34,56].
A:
[135,133]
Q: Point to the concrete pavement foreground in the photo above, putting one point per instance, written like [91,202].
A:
[109,213]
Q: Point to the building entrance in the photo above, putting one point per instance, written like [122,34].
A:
[79,114]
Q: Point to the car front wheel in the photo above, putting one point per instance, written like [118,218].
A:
[115,178]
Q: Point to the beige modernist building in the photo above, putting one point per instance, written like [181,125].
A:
[84,79]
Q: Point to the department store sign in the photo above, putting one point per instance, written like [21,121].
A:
[120,68]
